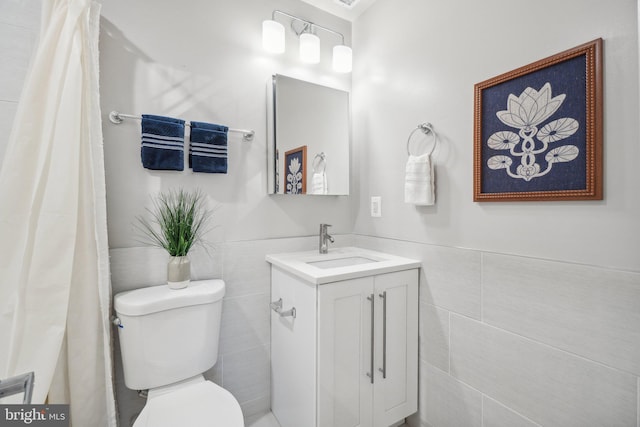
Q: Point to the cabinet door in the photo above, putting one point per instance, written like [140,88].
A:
[396,357]
[344,353]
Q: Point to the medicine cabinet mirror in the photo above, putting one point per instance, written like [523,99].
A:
[308,138]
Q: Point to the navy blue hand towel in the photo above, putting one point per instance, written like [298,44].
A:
[162,143]
[208,150]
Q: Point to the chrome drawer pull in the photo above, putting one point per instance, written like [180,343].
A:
[373,305]
[384,334]
[277,307]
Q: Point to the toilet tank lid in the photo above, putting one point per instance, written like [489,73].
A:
[153,299]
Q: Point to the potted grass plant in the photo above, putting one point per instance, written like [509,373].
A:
[178,221]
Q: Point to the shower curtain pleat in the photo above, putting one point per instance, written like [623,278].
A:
[54,274]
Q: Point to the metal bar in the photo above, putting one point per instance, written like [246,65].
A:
[117,117]
[373,305]
[273,17]
[384,334]
[18,384]
[277,307]
[426,128]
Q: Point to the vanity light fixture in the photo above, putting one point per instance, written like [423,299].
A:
[273,41]
[273,36]
[342,59]
[309,48]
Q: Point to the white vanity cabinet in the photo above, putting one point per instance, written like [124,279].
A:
[368,350]
[350,355]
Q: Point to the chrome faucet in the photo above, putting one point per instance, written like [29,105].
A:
[323,246]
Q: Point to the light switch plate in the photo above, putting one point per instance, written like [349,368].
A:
[376,206]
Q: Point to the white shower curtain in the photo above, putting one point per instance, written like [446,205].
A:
[54,272]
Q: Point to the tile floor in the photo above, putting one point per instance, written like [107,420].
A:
[268,420]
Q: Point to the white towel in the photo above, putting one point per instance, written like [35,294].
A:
[419,184]
[319,183]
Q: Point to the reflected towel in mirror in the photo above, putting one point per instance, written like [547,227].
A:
[319,183]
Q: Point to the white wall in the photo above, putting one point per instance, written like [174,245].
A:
[149,66]
[418,61]
[204,61]
[529,312]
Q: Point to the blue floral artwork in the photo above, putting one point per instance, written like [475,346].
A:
[531,116]
[294,176]
[532,131]
[295,171]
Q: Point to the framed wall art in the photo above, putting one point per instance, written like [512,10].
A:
[295,171]
[538,130]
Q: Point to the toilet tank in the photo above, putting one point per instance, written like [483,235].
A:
[168,335]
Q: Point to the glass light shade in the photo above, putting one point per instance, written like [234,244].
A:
[342,59]
[272,36]
[309,48]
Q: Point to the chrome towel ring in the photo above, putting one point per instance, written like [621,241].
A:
[427,129]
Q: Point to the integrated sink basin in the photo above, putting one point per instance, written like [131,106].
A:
[339,264]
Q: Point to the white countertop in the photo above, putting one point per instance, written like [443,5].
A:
[366,263]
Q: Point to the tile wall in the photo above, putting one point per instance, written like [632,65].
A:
[509,341]
[243,365]
[505,341]
[19,27]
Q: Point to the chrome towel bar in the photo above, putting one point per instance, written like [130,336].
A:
[117,117]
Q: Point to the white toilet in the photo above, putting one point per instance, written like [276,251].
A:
[168,339]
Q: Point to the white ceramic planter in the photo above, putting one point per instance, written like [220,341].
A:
[178,272]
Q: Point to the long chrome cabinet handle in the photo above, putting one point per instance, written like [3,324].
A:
[277,307]
[373,305]
[384,334]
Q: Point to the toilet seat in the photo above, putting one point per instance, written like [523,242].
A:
[194,403]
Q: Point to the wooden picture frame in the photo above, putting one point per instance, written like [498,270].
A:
[538,130]
[295,171]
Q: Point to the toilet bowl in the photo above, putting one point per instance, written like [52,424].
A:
[200,403]
[168,338]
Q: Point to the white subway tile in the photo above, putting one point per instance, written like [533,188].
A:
[245,268]
[216,373]
[593,312]
[546,385]
[395,247]
[253,410]
[133,268]
[21,13]
[15,44]
[247,374]
[138,267]
[434,336]
[245,323]
[447,402]
[451,279]
[494,414]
